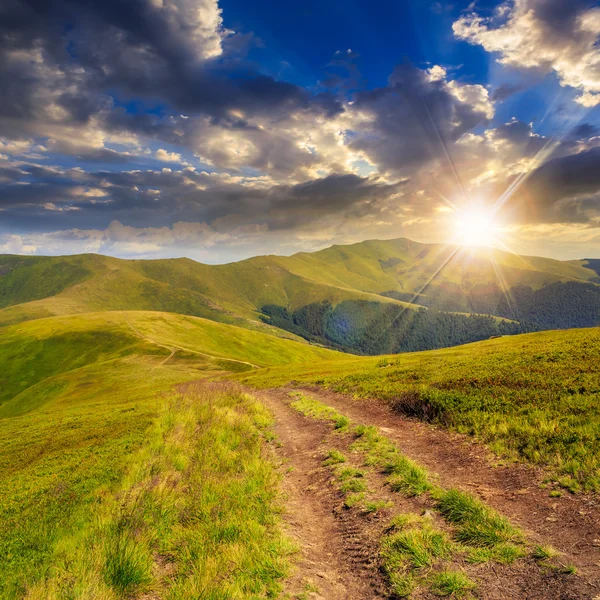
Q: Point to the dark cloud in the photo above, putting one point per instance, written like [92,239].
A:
[583,131]
[506,90]
[130,49]
[45,198]
[415,116]
[567,176]
[565,189]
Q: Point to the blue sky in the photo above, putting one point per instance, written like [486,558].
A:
[221,129]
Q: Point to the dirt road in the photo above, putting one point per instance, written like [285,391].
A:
[339,548]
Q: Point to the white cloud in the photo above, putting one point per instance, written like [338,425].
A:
[527,34]
[165,156]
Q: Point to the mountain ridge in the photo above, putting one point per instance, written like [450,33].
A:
[296,296]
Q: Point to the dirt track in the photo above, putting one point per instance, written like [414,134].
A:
[339,548]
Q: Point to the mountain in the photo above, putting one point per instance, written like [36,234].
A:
[126,445]
[366,297]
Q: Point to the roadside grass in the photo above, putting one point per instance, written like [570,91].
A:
[317,410]
[476,524]
[416,553]
[530,397]
[405,475]
[451,583]
[545,552]
[196,514]
[56,461]
[77,395]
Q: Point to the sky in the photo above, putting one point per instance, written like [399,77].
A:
[223,129]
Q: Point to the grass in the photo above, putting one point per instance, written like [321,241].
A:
[451,583]
[78,395]
[477,524]
[317,410]
[531,397]
[416,553]
[334,457]
[196,513]
[33,352]
[405,475]
[544,552]
[419,547]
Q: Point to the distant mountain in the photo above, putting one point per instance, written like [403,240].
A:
[374,296]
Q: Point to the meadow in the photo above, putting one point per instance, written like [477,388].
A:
[530,397]
[133,466]
[82,398]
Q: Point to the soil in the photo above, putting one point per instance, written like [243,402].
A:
[339,548]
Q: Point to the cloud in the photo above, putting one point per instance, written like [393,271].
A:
[550,35]
[114,87]
[67,66]
[566,189]
[411,121]
[43,198]
[506,90]
[165,156]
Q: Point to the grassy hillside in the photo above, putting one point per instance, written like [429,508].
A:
[227,293]
[403,265]
[77,397]
[532,397]
[34,287]
[37,350]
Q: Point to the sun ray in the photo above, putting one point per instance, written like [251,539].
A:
[420,291]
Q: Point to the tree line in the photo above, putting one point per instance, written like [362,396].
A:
[369,327]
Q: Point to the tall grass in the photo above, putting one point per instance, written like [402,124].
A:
[195,517]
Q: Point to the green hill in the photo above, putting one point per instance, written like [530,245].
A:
[34,352]
[366,298]
[77,395]
[86,283]
[532,397]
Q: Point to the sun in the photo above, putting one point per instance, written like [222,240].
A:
[475,228]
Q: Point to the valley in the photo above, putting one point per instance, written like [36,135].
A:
[150,452]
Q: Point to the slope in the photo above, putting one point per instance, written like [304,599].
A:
[531,397]
[77,396]
[37,350]
[231,293]
[43,286]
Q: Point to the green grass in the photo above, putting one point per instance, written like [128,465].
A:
[477,524]
[544,552]
[334,457]
[531,397]
[195,515]
[451,583]
[55,459]
[419,547]
[416,555]
[317,410]
[78,395]
[405,475]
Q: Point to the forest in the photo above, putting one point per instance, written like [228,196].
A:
[367,327]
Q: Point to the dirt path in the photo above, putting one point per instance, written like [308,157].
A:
[570,523]
[174,347]
[331,559]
